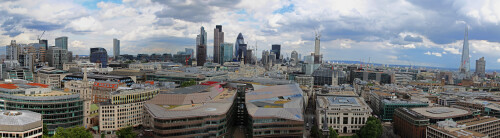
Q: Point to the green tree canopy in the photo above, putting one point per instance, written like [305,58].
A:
[333,133]
[188,83]
[73,132]
[315,132]
[127,132]
[372,129]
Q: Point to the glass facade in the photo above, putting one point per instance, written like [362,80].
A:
[99,55]
[57,111]
[226,50]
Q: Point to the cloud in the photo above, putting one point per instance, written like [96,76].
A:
[498,60]
[452,50]
[413,39]
[84,25]
[433,53]
[193,11]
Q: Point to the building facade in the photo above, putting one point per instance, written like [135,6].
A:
[201,47]
[56,57]
[125,108]
[218,40]
[226,50]
[481,67]
[62,42]
[116,48]
[21,124]
[346,115]
[99,55]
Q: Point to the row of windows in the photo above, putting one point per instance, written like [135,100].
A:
[28,134]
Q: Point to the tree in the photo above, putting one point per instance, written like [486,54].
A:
[73,132]
[372,129]
[45,130]
[315,132]
[127,132]
[103,135]
[333,133]
[188,83]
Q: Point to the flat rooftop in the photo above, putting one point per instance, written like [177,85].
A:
[441,112]
[343,101]
[188,90]
[19,118]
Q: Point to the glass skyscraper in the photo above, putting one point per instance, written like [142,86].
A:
[116,48]
[239,53]
[62,42]
[276,49]
[99,55]
[201,47]
[226,49]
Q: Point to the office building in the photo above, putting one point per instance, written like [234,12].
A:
[62,42]
[116,48]
[242,52]
[58,109]
[481,67]
[99,55]
[294,60]
[218,40]
[383,104]
[56,57]
[50,76]
[226,50]
[101,90]
[249,57]
[276,49]
[317,55]
[238,52]
[465,63]
[12,51]
[125,107]
[325,76]
[201,47]
[127,80]
[413,122]
[346,115]
[18,73]
[190,52]
[21,124]
[274,111]
[195,111]
[479,127]
[44,43]
[380,77]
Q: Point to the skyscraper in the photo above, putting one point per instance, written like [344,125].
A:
[465,64]
[56,57]
[12,50]
[276,49]
[226,49]
[116,48]
[62,42]
[218,39]
[481,67]
[201,47]
[238,53]
[295,57]
[317,55]
[99,55]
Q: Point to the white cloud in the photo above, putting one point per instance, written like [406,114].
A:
[85,24]
[498,60]
[433,53]
[452,50]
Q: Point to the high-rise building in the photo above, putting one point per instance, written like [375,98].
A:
[276,49]
[190,52]
[62,42]
[465,64]
[201,47]
[45,43]
[218,39]
[239,42]
[99,55]
[12,50]
[317,55]
[116,48]
[226,49]
[242,52]
[481,67]
[295,57]
[248,57]
[265,58]
[56,57]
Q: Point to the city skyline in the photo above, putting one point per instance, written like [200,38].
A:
[350,30]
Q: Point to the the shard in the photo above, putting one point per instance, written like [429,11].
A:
[465,64]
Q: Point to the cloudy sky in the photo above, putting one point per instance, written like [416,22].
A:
[416,32]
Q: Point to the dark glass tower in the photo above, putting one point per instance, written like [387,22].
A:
[201,47]
[218,39]
[240,42]
[99,55]
[276,49]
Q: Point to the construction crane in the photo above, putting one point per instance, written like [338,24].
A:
[40,36]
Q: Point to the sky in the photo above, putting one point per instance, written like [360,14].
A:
[405,32]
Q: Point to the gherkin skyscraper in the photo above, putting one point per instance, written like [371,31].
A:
[465,64]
